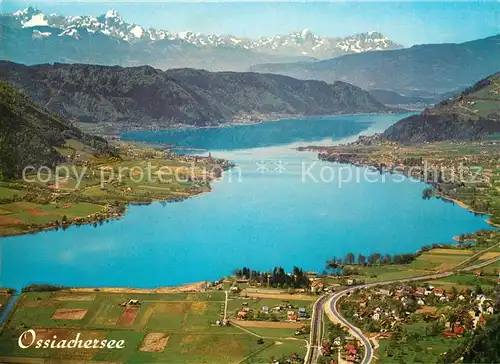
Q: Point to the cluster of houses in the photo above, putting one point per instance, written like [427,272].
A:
[319,287]
[453,169]
[291,315]
[348,350]
[470,319]
[381,306]
[216,285]
[351,353]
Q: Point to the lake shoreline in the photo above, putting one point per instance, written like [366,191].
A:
[108,207]
[350,158]
[199,239]
[228,124]
[102,217]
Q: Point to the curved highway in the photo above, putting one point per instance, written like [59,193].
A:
[313,352]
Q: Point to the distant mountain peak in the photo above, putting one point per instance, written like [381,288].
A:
[302,43]
[369,41]
[305,32]
[30,17]
[29,11]
[374,33]
[112,14]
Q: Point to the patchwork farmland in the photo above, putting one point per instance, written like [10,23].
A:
[162,328]
[22,215]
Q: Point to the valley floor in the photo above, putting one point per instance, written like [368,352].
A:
[245,322]
[201,325]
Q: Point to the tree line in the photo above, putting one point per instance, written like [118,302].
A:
[42,288]
[276,278]
[368,260]
[377,258]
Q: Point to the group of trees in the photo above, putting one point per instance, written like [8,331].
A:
[427,193]
[42,288]
[338,263]
[372,259]
[275,278]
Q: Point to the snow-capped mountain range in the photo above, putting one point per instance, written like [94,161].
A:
[297,44]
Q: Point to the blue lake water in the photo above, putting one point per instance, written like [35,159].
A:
[273,209]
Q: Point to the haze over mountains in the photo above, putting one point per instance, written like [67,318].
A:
[29,36]
[431,67]
[368,60]
[420,75]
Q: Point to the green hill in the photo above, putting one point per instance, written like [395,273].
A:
[471,115]
[30,134]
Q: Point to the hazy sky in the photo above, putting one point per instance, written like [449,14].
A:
[404,22]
